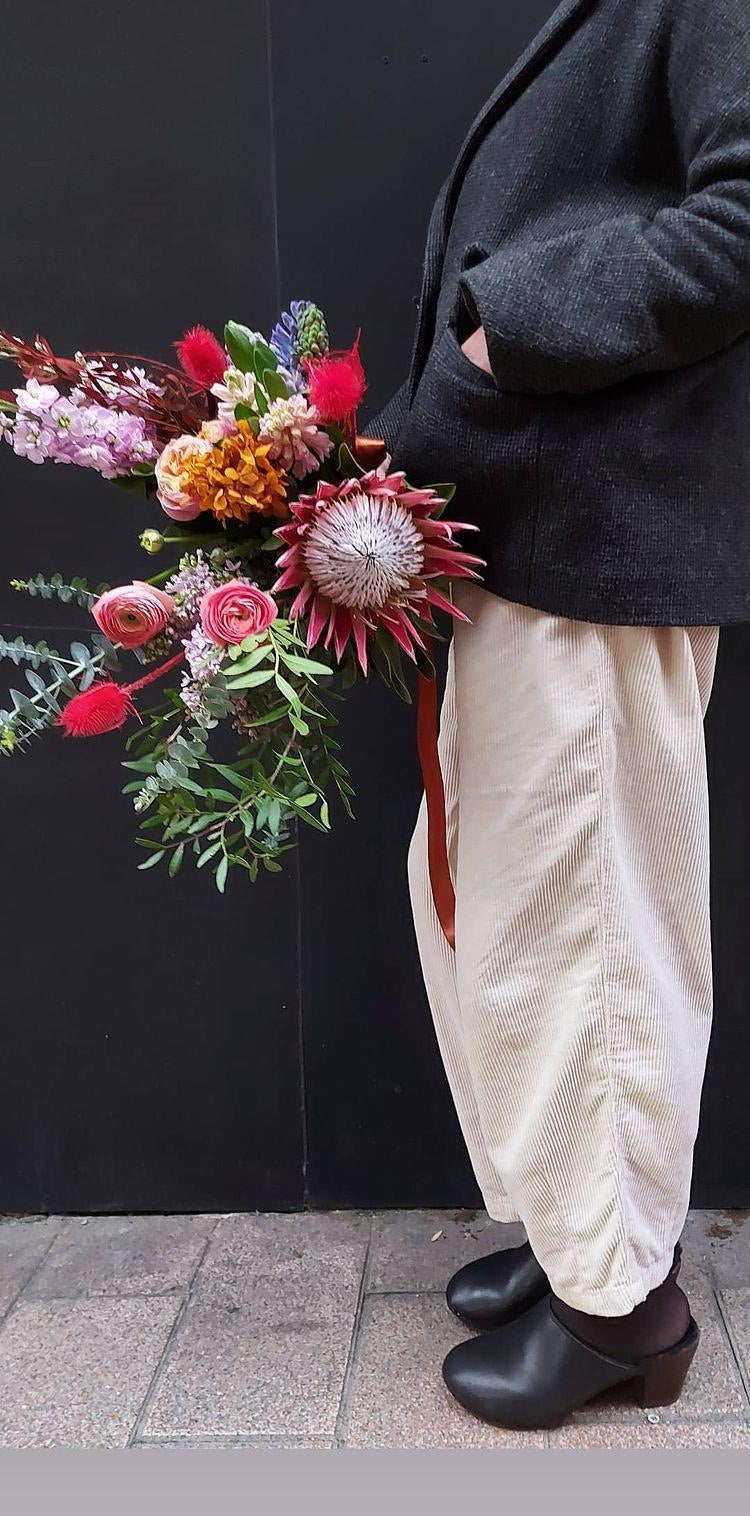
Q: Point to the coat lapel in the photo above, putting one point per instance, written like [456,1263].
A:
[542,47]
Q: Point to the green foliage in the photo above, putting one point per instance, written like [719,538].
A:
[31,714]
[250,354]
[244,814]
[77,591]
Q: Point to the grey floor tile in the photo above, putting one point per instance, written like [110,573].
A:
[719,1242]
[736,1304]
[230,1375]
[705,1434]
[419,1250]
[75,1372]
[286,1268]
[122,1255]
[396,1396]
[263,1347]
[713,1388]
[22,1246]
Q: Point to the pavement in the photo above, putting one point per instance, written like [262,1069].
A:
[314,1330]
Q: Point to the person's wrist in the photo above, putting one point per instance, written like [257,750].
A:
[475,349]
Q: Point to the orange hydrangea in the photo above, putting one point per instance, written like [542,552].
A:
[235,479]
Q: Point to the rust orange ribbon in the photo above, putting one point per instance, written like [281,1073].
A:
[441,883]
[370,452]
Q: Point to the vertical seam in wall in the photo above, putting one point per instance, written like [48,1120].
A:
[298,865]
[273,167]
[300,1021]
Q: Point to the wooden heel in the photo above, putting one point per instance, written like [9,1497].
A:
[664,1375]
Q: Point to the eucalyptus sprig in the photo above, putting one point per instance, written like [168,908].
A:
[242,814]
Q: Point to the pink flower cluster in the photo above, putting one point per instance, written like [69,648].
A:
[133,614]
[71,429]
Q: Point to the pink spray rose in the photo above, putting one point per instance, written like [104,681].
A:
[133,613]
[235,611]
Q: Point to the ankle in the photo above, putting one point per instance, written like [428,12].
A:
[659,1323]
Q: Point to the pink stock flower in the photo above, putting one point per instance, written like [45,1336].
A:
[133,613]
[174,480]
[236,610]
[370,553]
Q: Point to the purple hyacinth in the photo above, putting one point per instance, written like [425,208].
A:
[289,340]
[286,331]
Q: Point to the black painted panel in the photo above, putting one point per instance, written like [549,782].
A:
[150,1031]
[359,163]
[722,1170]
[137,170]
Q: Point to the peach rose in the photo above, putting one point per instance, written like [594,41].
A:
[174,479]
[133,613]
[235,611]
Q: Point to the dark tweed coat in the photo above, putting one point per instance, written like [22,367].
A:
[597,223]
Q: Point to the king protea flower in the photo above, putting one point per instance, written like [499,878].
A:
[370,553]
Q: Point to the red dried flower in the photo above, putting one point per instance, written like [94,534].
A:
[337,385]
[202,356]
[103,708]
[106,705]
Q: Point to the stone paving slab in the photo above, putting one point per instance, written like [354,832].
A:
[396,1397]
[122,1255]
[263,1347]
[285,1268]
[714,1386]
[419,1250]
[719,1242]
[736,1307]
[23,1245]
[307,1330]
[74,1373]
[707,1434]
[229,1376]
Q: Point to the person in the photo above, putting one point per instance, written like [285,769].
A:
[581,370]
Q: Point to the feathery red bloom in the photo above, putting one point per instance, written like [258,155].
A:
[106,705]
[103,708]
[202,356]
[370,553]
[337,384]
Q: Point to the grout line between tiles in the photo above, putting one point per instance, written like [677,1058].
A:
[225,1440]
[342,1415]
[437,1291]
[733,1345]
[158,1373]
[27,1281]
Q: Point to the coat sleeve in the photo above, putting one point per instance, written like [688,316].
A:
[636,294]
[389,421]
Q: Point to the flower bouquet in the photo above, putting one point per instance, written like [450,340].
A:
[298,563]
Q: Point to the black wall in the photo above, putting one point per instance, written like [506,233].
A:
[164,1049]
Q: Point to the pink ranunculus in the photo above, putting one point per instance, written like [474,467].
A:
[133,613]
[174,485]
[235,611]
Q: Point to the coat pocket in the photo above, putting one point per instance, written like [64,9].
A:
[462,428]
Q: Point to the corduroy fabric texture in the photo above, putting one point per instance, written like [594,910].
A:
[597,222]
[574,1017]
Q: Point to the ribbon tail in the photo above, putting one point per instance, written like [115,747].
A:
[441,883]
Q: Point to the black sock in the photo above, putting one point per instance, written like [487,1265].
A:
[659,1323]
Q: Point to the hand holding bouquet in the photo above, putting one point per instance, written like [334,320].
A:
[292,562]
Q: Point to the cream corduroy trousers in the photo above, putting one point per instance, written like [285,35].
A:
[575,1014]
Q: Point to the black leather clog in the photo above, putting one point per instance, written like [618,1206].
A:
[492,1291]
[532,1373]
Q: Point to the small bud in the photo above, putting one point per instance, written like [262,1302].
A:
[151,540]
